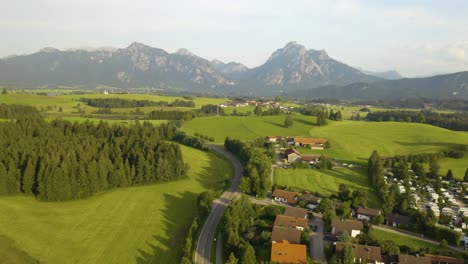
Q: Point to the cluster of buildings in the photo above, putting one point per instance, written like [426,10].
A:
[286,236]
[267,104]
[305,142]
[292,198]
[292,155]
[371,254]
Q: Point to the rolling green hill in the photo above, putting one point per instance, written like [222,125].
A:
[327,182]
[350,140]
[249,127]
[132,225]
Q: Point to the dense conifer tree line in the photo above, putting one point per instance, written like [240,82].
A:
[8,111]
[128,103]
[60,160]
[453,121]
[257,166]
[212,109]
[170,115]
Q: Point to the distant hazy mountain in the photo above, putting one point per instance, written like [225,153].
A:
[233,70]
[446,86]
[135,66]
[288,70]
[294,65]
[388,75]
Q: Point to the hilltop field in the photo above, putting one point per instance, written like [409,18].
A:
[133,225]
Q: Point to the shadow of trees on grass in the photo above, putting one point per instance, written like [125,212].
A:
[177,219]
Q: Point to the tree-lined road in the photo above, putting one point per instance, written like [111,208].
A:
[203,250]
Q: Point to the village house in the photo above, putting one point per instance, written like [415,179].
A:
[366,213]
[291,222]
[283,196]
[352,227]
[313,143]
[296,212]
[445,260]
[292,155]
[312,159]
[361,253]
[284,252]
[292,235]
[406,259]
[273,139]
[397,220]
[311,201]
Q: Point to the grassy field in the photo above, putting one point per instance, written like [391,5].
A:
[132,225]
[249,127]
[110,121]
[413,243]
[355,141]
[10,253]
[69,102]
[326,182]
[458,166]
[350,140]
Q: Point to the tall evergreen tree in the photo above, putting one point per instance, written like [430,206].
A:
[248,256]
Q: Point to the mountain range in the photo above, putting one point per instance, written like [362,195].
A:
[292,70]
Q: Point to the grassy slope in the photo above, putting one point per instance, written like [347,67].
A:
[249,127]
[9,253]
[458,166]
[131,225]
[414,244]
[350,140]
[110,121]
[355,141]
[326,182]
[68,102]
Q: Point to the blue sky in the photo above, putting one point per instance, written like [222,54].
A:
[412,37]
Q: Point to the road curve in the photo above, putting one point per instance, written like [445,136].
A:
[203,249]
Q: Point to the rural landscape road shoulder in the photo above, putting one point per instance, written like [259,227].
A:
[203,249]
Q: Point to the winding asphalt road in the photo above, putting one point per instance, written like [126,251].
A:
[203,250]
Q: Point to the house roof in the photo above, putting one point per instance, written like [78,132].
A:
[445,259]
[410,259]
[309,157]
[292,235]
[362,252]
[290,151]
[284,194]
[295,212]
[275,137]
[368,211]
[288,253]
[309,197]
[397,218]
[310,140]
[289,221]
[346,225]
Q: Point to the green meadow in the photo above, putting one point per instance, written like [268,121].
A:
[413,243]
[69,102]
[132,225]
[350,140]
[327,182]
[249,127]
[458,166]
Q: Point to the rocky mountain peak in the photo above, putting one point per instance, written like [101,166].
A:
[49,50]
[137,46]
[185,52]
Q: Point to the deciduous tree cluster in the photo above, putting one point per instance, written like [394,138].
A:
[257,166]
